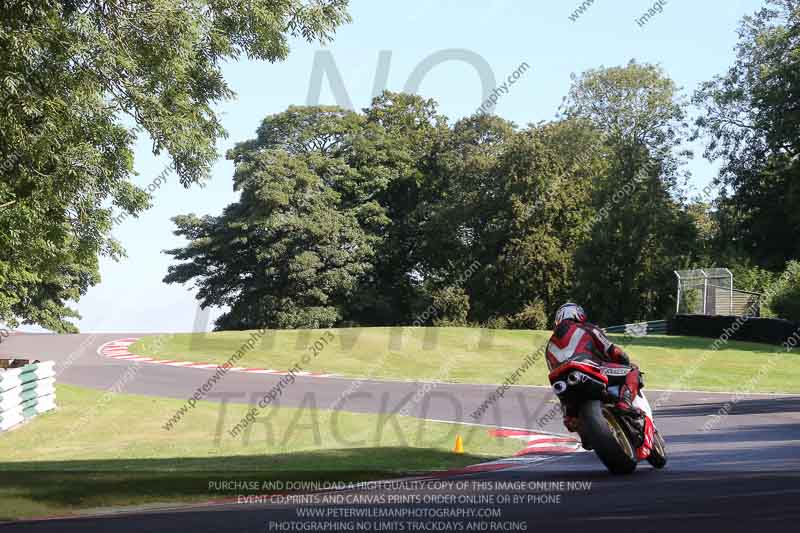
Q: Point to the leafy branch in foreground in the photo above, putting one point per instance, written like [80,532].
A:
[73,76]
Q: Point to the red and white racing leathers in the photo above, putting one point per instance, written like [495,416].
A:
[578,340]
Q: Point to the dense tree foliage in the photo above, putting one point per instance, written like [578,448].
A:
[785,302]
[640,229]
[392,215]
[73,74]
[414,134]
[514,202]
[304,232]
[389,215]
[751,116]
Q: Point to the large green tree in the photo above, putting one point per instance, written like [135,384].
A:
[549,170]
[415,134]
[389,215]
[75,75]
[506,216]
[751,115]
[346,192]
[296,248]
[640,230]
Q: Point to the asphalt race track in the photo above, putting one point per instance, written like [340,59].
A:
[741,475]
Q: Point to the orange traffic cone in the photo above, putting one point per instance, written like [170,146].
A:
[459,445]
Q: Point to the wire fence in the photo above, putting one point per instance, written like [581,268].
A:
[711,291]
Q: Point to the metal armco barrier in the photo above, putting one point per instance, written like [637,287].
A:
[26,391]
[640,329]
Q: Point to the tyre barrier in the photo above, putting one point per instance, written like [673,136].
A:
[27,388]
[640,329]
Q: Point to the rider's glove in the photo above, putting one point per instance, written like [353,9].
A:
[621,357]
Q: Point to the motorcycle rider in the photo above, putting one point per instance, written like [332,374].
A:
[574,338]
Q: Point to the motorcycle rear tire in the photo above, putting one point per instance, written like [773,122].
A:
[618,458]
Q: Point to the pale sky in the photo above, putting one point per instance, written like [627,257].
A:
[693,41]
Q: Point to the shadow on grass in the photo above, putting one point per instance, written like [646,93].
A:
[59,487]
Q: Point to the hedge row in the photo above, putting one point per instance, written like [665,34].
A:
[766,330]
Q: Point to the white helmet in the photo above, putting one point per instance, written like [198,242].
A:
[570,311]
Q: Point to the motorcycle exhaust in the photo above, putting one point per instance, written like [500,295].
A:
[559,387]
[574,378]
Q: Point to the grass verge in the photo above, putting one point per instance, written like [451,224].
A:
[469,355]
[102,450]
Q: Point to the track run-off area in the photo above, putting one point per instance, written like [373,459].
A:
[734,457]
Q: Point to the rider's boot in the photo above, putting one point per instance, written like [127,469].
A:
[625,401]
[643,425]
[628,391]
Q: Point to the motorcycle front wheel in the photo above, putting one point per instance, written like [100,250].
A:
[607,437]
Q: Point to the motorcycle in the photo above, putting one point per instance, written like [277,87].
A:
[612,433]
